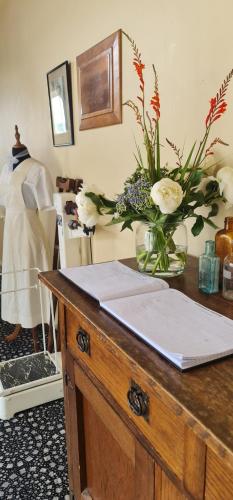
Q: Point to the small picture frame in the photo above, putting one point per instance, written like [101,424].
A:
[99,74]
[60,101]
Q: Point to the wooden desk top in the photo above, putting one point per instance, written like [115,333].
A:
[204,393]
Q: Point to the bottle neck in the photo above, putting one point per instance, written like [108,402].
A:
[228,224]
[210,248]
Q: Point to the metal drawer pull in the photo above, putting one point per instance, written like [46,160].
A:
[138,400]
[83,341]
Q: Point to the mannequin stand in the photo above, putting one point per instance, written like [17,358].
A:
[13,336]
[32,379]
[35,339]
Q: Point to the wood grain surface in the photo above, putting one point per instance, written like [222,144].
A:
[204,394]
[163,428]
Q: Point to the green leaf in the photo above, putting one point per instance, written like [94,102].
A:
[187,161]
[101,203]
[182,256]
[139,159]
[171,244]
[194,196]
[210,223]
[110,211]
[115,221]
[161,219]
[107,203]
[158,152]
[174,173]
[198,196]
[214,210]
[195,177]
[174,217]
[150,157]
[127,225]
[96,200]
[190,155]
[198,226]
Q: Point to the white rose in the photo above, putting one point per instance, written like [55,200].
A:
[225,179]
[87,211]
[167,194]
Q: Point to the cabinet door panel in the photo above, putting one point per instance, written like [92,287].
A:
[74,431]
[144,474]
[164,488]
[73,413]
[117,465]
[219,479]
[110,472]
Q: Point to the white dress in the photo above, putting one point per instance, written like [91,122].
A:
[22,192]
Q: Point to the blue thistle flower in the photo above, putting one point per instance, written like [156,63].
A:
[138,194]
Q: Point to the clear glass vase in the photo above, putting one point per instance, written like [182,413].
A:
[161,250]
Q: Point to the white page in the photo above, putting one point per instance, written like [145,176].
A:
[111,280]
[175,325]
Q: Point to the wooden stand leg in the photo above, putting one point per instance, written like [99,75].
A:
[13,336]
[35,339]
[50,338]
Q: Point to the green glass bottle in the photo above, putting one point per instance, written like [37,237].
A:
[209,265]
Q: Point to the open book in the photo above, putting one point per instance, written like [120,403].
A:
[182,330]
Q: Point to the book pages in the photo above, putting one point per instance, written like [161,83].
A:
[181,329]
[111,280]
[185,332]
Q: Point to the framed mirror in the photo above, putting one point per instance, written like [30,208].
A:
[60,101]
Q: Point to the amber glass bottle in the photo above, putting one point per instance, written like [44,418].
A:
[223,242]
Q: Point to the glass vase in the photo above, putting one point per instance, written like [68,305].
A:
[161,249]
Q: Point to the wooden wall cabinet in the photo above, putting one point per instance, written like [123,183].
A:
[137,428]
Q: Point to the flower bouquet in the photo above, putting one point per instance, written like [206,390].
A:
[162,197]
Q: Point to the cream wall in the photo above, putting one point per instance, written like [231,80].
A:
[188,40]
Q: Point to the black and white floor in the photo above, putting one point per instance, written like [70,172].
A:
[33,462]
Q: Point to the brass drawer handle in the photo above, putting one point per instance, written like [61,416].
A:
[138,400]
[83,341]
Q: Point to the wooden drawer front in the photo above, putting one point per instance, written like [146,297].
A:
[115,370]
[219,478]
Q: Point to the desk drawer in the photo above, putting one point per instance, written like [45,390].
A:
[126,382]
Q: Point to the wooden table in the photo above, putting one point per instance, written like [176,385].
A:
[178,444]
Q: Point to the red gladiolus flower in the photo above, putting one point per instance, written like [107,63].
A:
[212,103]
[217,109]
[212,107]
[139,69]
[218,104]
[155,103]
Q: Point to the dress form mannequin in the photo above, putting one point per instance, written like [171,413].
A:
[16,149]
[26,194]
[19,148]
